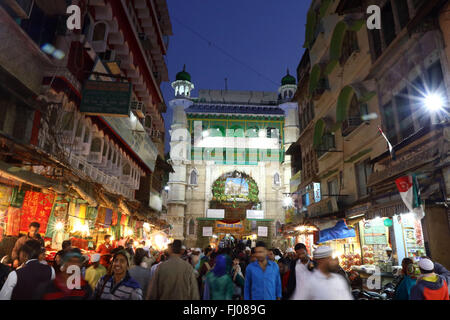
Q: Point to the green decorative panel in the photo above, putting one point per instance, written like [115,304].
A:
[337,40]
[319,129]
[344,99]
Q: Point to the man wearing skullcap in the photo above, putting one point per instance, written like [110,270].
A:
[324,283]
[429,286]
[95,271]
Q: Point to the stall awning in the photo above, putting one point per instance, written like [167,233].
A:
[33,179]
[339,231]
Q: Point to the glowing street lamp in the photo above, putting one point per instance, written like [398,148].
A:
[434,102]
[288,202]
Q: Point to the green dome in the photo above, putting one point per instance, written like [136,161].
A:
[183,75]
[288,79]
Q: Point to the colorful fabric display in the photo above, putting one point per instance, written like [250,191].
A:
[13,221]
[17,198]
[36,207]
[108,217]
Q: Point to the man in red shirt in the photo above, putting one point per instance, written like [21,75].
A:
[105,250]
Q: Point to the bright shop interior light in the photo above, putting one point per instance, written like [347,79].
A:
[59,226]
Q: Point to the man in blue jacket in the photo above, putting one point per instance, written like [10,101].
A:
[262,277]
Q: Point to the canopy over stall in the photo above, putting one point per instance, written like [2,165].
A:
[339,231]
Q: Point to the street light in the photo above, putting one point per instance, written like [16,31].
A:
[434,101]
[287,202]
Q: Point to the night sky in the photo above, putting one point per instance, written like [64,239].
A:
[265,35]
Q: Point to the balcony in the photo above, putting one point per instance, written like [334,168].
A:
[350,124]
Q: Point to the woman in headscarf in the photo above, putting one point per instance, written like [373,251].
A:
[408,280]
[219,284]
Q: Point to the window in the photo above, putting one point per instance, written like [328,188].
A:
[362,171]
[68,121]
[404,114]
[278,229]
[350,45]
[87,134]
[327,144]
[389,122]
[402,12]
[276,179]
[388,24]
[193,179]
[96,145]
[435,76]
[99,33]
[376,43]
[148,121]
[333,189]
[126,169]
[191,227]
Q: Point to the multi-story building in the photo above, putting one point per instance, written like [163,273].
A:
[360,80]
[227,150]
[88,101]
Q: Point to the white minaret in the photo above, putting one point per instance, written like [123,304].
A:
[180,144]
[291,122]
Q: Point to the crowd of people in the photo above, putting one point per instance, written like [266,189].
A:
[136,272]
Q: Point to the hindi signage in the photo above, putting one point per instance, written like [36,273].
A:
[255,214]
[106,98]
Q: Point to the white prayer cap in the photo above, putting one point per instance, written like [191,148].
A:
[277,258]
[290,250]
[183,247]
[426,264]
[388,248]
[248,249]
[95,257]
[322,252]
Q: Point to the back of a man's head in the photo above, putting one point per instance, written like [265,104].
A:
[32,249]
[176,246]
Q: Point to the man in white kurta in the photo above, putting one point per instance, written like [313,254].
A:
[324,283]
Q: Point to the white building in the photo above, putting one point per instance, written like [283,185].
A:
[227,149]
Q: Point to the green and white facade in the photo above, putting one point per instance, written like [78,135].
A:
[228,136]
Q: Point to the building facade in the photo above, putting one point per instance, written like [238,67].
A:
[362,81]
[227,151]
[52,90]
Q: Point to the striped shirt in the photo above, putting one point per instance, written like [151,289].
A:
[126,289]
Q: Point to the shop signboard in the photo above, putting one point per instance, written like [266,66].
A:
[317,195]
[207,231]
[255,214]
[106,98]
[215,213]
[263,231]
[375,232]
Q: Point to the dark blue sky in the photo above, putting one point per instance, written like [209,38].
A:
[266,35]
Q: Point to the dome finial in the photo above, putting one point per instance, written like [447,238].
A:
[288,71]
[184,67]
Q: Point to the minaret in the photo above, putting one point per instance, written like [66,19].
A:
[180,143]
[291,122]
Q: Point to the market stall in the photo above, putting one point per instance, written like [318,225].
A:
[345,244]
